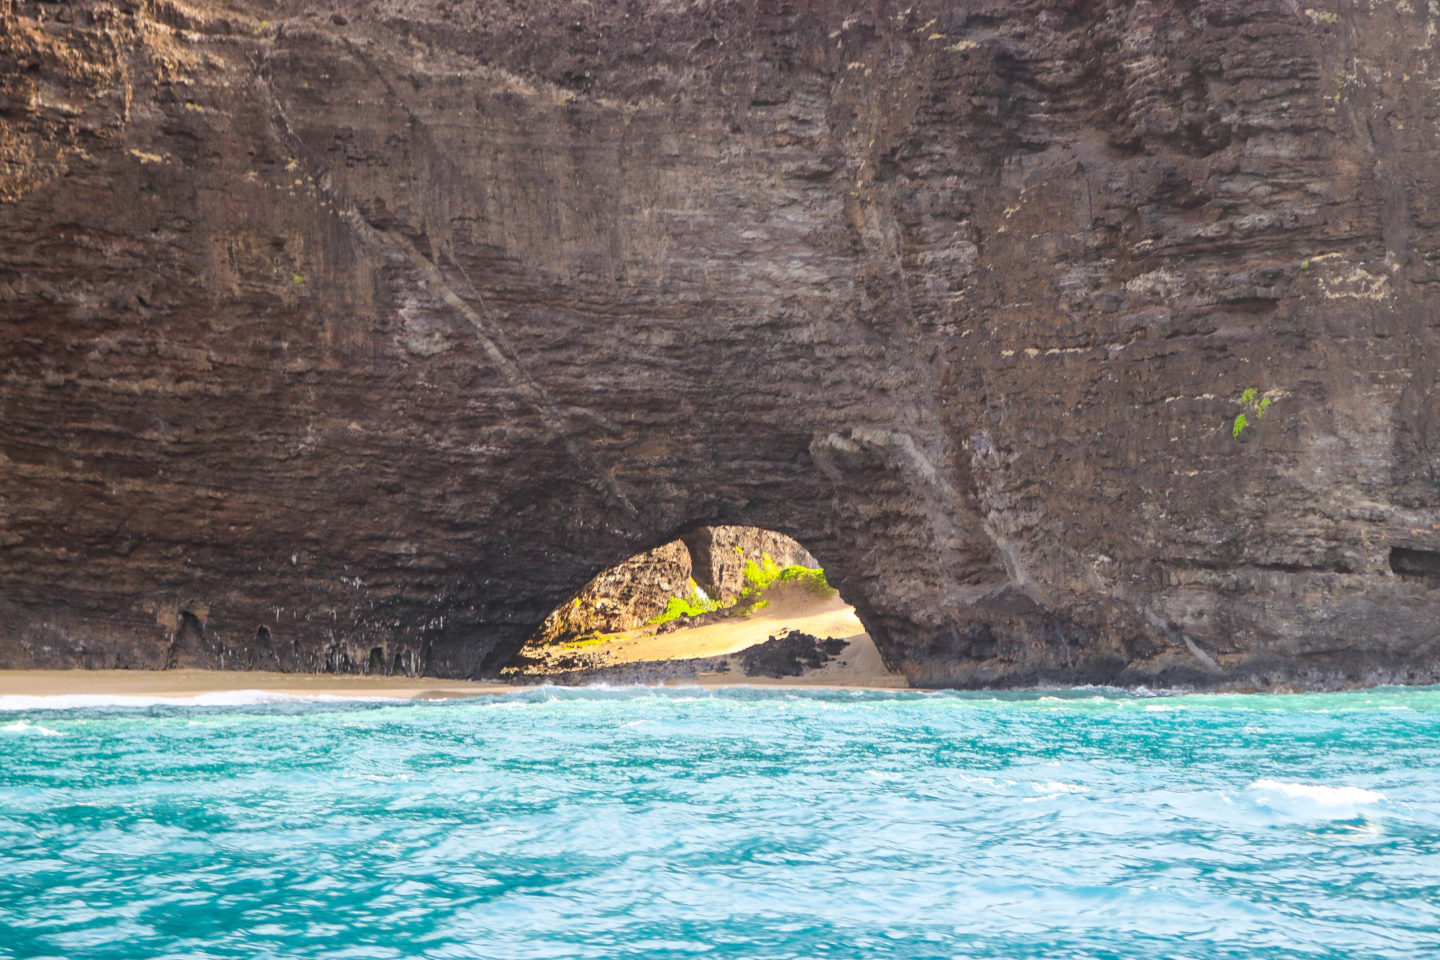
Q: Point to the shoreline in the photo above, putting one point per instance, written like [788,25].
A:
[190,684]
[167,685]
[185,684]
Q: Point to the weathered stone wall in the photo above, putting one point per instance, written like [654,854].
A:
[629,594]
[719,556]
[363,334]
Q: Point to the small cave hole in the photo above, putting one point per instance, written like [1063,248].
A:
[1421,566]
[262,635]
[189,645]
[376,663]
[728,601]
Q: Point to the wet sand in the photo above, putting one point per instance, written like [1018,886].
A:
[192,683]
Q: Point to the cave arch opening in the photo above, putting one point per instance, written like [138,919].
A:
[728,603]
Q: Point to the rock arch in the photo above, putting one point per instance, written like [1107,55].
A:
[395,348]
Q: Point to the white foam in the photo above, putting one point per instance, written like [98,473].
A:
[1051,789]
[225,698]
[1320,793]
[25,726]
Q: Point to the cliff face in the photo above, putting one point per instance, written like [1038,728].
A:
[359,335]
[719,555]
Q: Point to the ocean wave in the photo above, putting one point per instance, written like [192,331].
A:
[25,726]
[1319,792]
[882,827]
[1314,801]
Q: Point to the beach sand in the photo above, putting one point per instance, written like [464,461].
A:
[192,683]
[857,665]
[795,609]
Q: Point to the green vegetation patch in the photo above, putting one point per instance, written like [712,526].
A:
[586,641]
[759,577]
[1253,407]
[691,605]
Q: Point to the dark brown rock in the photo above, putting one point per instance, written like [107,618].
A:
[791,654]
[362,345]
[626,595]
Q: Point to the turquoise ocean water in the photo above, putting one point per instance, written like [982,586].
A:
[741,823]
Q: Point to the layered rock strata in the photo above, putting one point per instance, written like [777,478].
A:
[626,595]
[358,335]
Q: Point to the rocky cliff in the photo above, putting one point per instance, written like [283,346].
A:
[358,335]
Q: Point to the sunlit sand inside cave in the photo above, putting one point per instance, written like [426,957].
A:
[755,620]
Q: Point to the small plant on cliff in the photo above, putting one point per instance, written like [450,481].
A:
[591,639]
[1253,406]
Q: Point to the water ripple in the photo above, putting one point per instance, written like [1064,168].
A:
[634,822]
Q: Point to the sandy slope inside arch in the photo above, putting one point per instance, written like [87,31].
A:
[791,609]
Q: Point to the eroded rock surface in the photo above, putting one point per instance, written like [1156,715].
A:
[626,595]
[791,654]
[719,556]
[359,335]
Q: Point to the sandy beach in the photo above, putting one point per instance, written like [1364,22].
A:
[861,670]
[789,609]
[193,683]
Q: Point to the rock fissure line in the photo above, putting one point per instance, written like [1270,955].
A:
[486,332]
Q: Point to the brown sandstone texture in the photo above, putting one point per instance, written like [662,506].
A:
[357,335]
